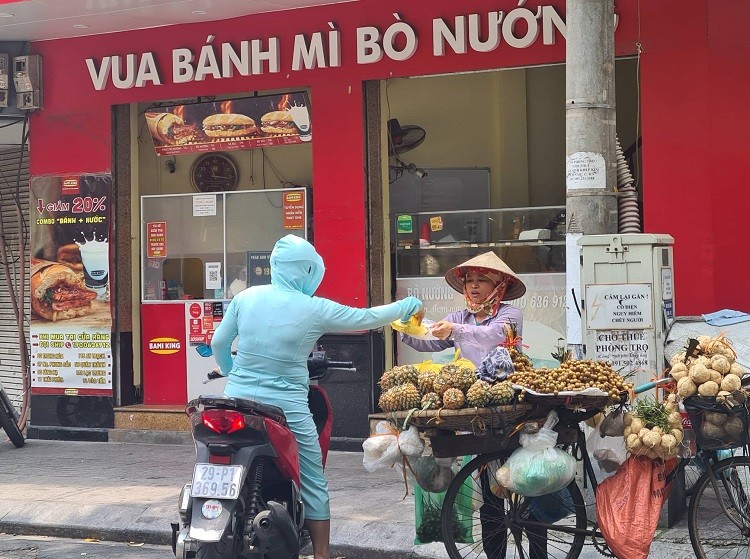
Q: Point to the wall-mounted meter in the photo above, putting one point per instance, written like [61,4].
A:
[627,284]
[4,79]
[27,77]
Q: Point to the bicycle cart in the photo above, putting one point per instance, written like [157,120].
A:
[558,525]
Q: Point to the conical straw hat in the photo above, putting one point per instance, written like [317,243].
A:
[490,261]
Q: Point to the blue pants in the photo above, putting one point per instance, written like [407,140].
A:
[269,388]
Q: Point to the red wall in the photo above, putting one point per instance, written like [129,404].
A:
[694,87]
[695,112]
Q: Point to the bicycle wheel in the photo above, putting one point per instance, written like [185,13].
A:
[11,427]
[693,472]
[477,522]
[714,532]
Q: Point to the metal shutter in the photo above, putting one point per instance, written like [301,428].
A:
[10,365]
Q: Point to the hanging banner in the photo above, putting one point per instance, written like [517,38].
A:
[71,319]
[247,123]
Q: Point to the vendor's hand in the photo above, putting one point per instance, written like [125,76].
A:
[419,315]
[442,329]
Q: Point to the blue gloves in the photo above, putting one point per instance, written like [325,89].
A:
[409,307]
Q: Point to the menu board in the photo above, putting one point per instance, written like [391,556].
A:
[71,319]
[245,123]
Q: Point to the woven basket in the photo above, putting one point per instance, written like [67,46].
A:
[467,419]
[583,401]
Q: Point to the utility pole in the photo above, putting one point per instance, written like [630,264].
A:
[590,127]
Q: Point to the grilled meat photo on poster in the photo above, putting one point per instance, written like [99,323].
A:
[57,292]
[242,123]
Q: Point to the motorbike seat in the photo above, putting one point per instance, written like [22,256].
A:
[243,405]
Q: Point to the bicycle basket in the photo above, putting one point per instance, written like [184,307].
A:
[718,425]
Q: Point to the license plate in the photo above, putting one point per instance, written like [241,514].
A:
[212,481]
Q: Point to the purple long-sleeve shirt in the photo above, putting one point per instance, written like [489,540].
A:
[474,341]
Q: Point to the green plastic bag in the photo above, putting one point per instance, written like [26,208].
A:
[427,511]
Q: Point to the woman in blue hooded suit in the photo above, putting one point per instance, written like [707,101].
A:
[277,326]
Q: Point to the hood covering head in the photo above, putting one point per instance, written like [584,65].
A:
[296,265]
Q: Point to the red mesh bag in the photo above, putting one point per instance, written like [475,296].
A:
[628,505]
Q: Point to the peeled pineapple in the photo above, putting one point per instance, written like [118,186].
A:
[464,378]
[441,383]
[387,380]
[453,399]
[425,381]
[478,395]
[501,393]
[400,397]
[406,374]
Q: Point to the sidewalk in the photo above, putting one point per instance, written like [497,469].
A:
[128,492]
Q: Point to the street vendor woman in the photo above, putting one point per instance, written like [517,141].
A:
[485,282]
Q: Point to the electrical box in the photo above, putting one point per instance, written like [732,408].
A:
[4,58]
[27,77]
[627,285]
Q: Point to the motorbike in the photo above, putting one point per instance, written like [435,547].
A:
[244,499]
[9,419]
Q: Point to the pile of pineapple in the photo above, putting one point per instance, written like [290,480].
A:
[431,386]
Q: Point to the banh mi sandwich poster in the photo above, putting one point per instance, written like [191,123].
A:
[71,318]
[245,123]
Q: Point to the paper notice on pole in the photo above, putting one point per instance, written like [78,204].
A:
[585,170]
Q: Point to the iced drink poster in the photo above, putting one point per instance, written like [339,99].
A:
[71,320]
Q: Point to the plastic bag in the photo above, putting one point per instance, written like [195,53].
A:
[608,452]
[628,506]
[381,450]
[429,365]
[430,475]
[538,468]
[613,425]
[496,366]
[410,443]
[427,510]
[414,328]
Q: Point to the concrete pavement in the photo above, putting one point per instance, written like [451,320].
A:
[128,492]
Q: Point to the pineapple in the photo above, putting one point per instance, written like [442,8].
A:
[407,396]
[387,401]
[441,383]
[430,401]
[449,369]
[464,378]
[478,395]
[387,380]
[425,381]
[453,399]
[501,393]
[406,374]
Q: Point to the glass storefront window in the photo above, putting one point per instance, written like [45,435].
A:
[211,246]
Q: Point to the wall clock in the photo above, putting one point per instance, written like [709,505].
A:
[214,172]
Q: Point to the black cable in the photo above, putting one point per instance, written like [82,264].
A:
[14,122]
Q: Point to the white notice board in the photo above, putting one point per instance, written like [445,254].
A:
[619,306]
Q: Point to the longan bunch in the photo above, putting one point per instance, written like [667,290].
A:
[574,376]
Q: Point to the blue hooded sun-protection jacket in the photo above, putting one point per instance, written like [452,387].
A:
[277,325]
